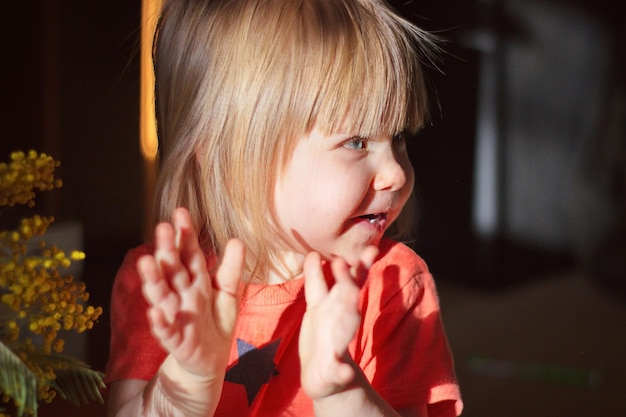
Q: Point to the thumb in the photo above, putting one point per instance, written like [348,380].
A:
[227,282]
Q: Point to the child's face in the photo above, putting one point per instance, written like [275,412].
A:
[339,193]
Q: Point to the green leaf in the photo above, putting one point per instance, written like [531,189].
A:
[76,381]
[17,381]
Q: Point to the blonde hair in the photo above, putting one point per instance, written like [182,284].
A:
[239,81]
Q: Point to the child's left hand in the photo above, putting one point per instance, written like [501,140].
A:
[330,323]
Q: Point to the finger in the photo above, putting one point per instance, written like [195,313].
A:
[341,270]
[345,292]
[165,250]
[191,256]
[154,286]
[344,306]
[163,331]
[366,260]
[227,281]
[315,287]
[368,256]
[155,289]
[342,374]
[231,267]
[168,257]
[346,323]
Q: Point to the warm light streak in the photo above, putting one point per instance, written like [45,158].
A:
[150,10]
[147,128]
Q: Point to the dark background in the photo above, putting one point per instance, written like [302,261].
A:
[70,87]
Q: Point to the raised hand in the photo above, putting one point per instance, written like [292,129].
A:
[330,323]
[191,313]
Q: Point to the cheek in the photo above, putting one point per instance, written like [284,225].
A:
[334,196]
[407,189]
[320,200]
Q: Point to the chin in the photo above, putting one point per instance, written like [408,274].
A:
[353,255]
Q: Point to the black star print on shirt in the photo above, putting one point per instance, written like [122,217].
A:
[255,367]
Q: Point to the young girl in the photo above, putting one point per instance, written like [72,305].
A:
[273,291]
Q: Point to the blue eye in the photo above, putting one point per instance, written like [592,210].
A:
[357,143]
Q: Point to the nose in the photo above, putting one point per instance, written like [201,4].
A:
[392,173]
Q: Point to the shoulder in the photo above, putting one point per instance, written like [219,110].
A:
[127,275]
[396,253]
[133,255]
[127,278]
[126,297]
[399,275]
[398,262]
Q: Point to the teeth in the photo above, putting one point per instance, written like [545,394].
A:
[373,218]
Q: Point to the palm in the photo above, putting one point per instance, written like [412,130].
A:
[191,314]
[329,324]
[194,336]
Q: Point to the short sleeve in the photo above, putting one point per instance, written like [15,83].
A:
[403,348]
[134,353]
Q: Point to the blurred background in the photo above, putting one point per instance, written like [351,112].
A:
[521,179]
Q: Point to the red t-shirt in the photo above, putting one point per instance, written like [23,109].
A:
[401,345]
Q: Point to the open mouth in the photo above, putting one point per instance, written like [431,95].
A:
[374,218]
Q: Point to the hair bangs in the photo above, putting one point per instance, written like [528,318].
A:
[374,80]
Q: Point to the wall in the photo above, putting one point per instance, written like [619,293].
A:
[70,88]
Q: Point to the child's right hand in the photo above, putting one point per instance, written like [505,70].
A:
[191,313]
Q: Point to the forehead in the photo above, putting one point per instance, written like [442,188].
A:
[336,65]
[370,88]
